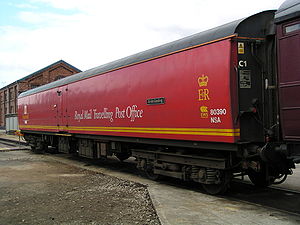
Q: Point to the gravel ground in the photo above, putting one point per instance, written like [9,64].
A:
[36,191]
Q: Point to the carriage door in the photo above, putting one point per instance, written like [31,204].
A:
[288,40]
[62,112]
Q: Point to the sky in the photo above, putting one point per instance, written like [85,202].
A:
[89,33]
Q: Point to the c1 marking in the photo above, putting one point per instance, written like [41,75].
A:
[242,63]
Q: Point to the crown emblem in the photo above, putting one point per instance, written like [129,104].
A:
[203,80]
[203,109]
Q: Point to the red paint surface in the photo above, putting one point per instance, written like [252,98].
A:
[174,77]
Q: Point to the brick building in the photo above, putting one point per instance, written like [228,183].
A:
[9,93]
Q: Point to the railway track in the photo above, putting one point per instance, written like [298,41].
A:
[12,145]
[274,187]
[293,196]
[274,197]
[285,189]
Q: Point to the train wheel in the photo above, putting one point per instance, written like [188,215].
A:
[151,175]
[33,149]
[39,148]
[52,150]
[122,156]
[216,189]
[260,179]
[149,171]
[219,188]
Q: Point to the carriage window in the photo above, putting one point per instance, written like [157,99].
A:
[292,28]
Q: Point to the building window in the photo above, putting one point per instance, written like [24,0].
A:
[10,92]
[5,96]
[16,92]
[59,77]
[33,86]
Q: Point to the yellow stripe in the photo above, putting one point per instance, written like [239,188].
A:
[161,132]
[161,129]
[133,128]
[185,131]
[38,127]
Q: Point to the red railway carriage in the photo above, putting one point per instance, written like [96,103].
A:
[201,108]
[178,96]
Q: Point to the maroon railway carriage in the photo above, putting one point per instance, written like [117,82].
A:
[203,108]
